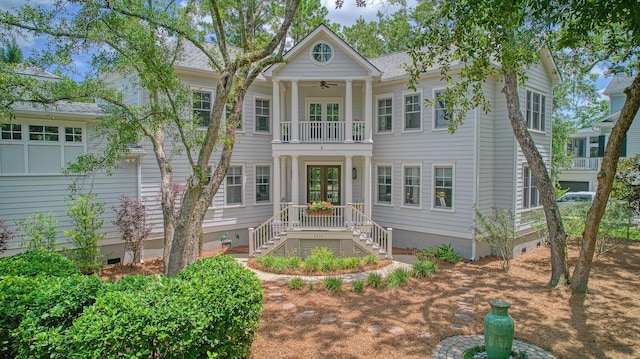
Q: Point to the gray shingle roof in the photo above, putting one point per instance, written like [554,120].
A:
[61,107]
[617,84]
[392,65]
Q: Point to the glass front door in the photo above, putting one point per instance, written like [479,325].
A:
[323,184]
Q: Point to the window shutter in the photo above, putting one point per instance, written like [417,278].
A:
[623,151]
[601,146]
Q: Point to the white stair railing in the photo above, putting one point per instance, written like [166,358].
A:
[380,237]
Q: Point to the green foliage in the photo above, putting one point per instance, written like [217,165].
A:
[333,284]
[38,308]
[211,306]
[626,186]
[422,269]
[296,284]
[536,219]
[384,35]
[499,231]
[370,259]
[445,253]
[573,218]
[321,259]
[322,253]
[358,286]
[37,262]
[617,216]
[398,277]
[39,231]
[349,263]
[278,264]
[85,214]
[374,280]
[11,54]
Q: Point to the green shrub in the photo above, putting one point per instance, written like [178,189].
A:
[85,215]
[445,252]
[311,264]
[296,284]
[333,284]
[358,286]
[212,306]
[38,232]
[35,309]
[37,262]
[349,263]
[374,280]
[322,252]
[423,268]
[398,277]
[370,259]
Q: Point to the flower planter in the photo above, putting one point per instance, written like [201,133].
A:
[319,212]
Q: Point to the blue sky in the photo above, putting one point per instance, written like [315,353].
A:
[346,16]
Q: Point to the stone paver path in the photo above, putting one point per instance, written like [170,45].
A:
[449,348]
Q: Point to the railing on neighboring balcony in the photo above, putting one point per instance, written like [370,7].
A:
[298,217]
[322,132]
[585,163]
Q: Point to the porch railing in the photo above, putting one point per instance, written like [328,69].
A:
[297,218]
[585,163]
[322,131]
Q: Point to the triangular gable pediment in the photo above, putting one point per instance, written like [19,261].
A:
[345,61]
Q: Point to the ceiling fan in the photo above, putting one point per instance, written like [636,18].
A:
[325,85]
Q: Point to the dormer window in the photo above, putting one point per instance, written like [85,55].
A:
[321,53]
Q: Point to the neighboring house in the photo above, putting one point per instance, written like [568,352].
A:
[588,145]
[328,124]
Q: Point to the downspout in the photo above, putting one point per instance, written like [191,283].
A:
[476,182]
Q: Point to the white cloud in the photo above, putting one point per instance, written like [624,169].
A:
[349,13]
[14,4]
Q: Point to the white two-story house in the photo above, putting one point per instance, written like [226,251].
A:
[328,124]
[588,144]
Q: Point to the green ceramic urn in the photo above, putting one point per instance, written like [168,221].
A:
[498,330]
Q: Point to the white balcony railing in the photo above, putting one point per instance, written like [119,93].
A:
[585,164]
[322,132]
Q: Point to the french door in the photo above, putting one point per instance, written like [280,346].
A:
[323,184]
[324,112]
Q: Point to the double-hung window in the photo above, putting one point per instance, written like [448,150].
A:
[411,186]
[202,107]
[263,114]
[385,110]
[234,184]
[443,186]
[384,184]
[536,111]
[263,183]
[530,196]
[440,111]
[412,112]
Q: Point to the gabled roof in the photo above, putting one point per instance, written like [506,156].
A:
[392,65]
[88,109]
[550,65]
[617,84]
[336,40]
[609,120]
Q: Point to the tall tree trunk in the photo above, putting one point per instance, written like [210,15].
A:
[557,235]
[606,176]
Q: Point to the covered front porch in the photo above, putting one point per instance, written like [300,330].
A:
[295,230]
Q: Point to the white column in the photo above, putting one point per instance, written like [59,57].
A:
[295,136]
[276,111]
[283,178]
[367,186]
[283,111]
[276,184]
[368,111]
[348,111]
[295,181]
[348,164]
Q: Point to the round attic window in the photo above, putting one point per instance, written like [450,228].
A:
[321,53]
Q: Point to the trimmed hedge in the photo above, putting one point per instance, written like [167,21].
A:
[32,306]
[210,309]
[37,262]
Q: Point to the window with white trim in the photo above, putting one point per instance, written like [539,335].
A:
[441,116]
[536,111]
[234,185]
[412,111]
[202,107]
[263,183]
[384,184]
[530,195]
[321,53]
[411,187]
[385,111]
[37,148]
[443,187]
[263,114]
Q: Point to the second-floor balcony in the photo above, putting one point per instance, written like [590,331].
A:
[585,163]
[323,132]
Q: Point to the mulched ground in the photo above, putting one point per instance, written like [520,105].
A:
[602,324]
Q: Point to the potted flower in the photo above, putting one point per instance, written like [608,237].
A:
[320,208]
